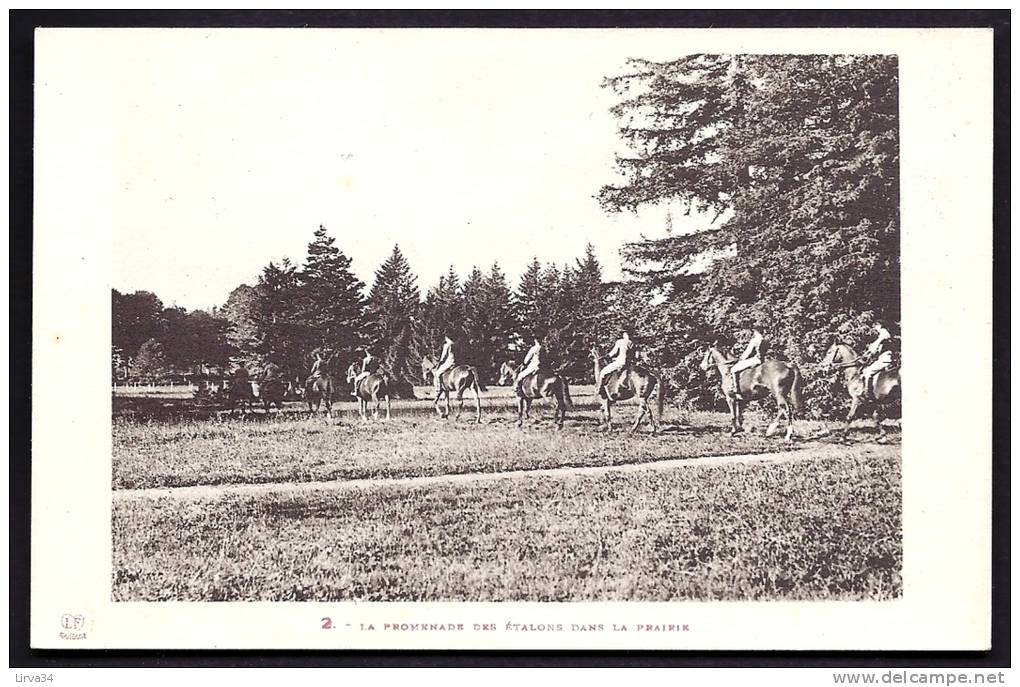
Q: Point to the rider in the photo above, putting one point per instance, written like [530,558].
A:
[881,350]
[621,349]
[531,363]
[447,359]
[751,357]
[369,364]
[316,366]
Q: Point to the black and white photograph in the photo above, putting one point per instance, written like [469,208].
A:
[499,317]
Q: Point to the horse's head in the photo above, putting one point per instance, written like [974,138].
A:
[595,354]
[838,353]
[505,374]
[710,352]
[352,372]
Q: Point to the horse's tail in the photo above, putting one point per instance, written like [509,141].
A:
[660,397]
[479,384]
[566,393]
[795,390]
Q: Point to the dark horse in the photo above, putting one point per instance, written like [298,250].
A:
[459,379]
[271,387]
[374,387]
[320,390]
[632,381]
[236,394]
[539,384]
[885,387]
[775,377]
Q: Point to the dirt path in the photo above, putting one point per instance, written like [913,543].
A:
[206,491]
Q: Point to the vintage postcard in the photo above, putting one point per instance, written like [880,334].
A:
[512,339]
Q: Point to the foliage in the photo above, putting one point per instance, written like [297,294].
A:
[150,363]
[331,297]
[393,310]
[137,317]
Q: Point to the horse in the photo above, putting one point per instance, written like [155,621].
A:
[508,371]
[236,394]
[459,378]
[374,387]
[781,379]
[427,366]
[271,387]
[319,391]
[538,385]
[885,387]
[632,381]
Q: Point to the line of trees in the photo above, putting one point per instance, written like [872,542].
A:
[292,310]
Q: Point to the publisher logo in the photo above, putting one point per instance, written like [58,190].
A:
[72,626]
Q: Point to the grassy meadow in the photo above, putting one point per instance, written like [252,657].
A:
[823,525]
[826,529]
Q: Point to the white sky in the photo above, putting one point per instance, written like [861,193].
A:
[465,147]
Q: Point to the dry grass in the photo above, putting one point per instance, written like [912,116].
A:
[819,528]
[826,528]
[290,447]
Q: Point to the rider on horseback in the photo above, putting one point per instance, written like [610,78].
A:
[751,357]
[621,349]
[881,350]
[531,363]
[369,364]
[447,359]
[316,366]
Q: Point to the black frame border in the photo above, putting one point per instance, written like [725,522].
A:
[21,29]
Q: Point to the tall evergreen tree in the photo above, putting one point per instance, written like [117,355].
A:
[501,326]
[284,337]
[331,297]
[394,308]
[442,315]
[474,348]
[801,153]
[527,301]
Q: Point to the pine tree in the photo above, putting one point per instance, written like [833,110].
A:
[474,344]
[553,322]
[501,326]
[331,297]
[284,338]
[442,315]
[527,301]
[394,309]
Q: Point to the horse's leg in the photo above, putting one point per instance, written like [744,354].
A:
[732,403]
[781,412]
[643,407]
[877,415]
[378,402]
[855,404]
[478,404]
[520,411]
[448,408]
[609,413]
